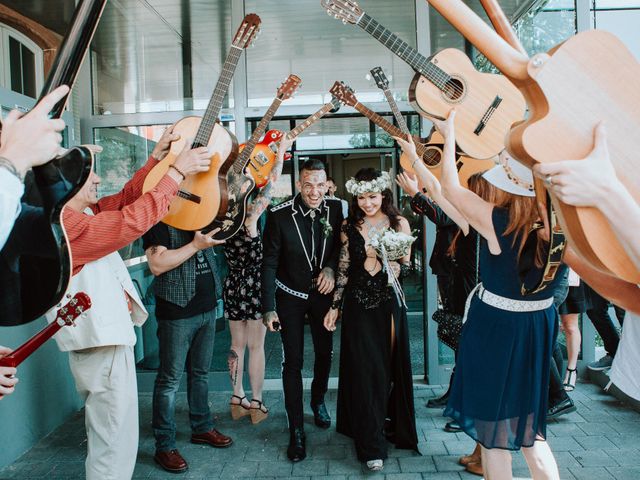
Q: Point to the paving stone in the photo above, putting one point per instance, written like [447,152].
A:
[624,473]
[417,464]
[447,463]
[565,444]
[594,442]
[310,467]
[594,458]
[275,469]
[591,473]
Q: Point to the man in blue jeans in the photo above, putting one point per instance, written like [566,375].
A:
[187,288]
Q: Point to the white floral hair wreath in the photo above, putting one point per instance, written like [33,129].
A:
[355,187]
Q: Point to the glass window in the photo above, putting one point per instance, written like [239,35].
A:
[298,37]
[161,57]
[23,68]
[620,17]
[335,133]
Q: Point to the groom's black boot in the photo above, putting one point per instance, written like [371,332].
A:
[321,415]
[297,450]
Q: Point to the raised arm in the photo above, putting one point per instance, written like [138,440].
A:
[341,281]
[475,210]
[262,200]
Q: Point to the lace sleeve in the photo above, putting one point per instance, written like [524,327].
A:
[343,269]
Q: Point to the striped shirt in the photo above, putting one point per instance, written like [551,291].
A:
[118,219]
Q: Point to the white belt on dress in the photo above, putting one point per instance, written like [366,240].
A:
[291,291]
[504,303]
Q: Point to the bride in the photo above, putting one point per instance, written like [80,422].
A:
[375,392]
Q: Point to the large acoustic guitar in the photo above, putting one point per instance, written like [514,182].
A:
[203,197]
[429,150]
[487,104]
[65,316]
[240,182]
[589,78]
[35,263]
[264,154]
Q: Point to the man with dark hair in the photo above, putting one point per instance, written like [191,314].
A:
[301,248]
[331,193]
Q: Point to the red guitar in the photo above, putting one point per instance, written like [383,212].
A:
[66,315]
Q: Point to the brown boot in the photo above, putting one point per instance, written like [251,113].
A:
[473,458]
[475,468]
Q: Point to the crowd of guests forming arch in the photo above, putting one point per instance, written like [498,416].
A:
[314,263]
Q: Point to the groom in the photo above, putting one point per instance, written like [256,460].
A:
[301,249]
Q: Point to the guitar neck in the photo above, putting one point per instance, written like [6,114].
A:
[501,24]
[256,135]
[16,357]
[73,50]
[217,98]
[388,127]
[406,52]
[396,111]
[327,107]
[509,61]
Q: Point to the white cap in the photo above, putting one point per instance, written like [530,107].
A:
[511,176]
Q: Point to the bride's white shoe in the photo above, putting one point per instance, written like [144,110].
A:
[375,465]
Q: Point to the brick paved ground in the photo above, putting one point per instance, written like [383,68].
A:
[600,441]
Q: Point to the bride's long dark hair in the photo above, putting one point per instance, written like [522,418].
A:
[356,215]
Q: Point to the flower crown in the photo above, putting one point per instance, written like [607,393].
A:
[355,187]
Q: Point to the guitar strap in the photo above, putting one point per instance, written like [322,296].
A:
[554,252]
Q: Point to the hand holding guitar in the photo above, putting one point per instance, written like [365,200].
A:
[162,147]
[206,240]
[189,162]
[7,379]
[32,139]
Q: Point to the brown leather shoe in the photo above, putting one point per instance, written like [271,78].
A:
[475,468]
[171,461]
[213,438]
[475,457]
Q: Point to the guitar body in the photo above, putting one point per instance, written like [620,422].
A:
[202,196]
[36,261]
[263,157]
[431,151]
[562,124]
[474,96]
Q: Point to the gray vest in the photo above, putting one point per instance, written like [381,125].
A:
[179,285]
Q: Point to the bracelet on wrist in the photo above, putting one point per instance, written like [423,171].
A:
[414,161]
[9,166]
[184,177]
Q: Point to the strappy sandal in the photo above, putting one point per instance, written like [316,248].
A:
[258,413]
[570,384]
[238,410]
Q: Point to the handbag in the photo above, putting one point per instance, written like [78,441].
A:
[449,323]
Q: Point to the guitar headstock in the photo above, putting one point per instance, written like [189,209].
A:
[336,104]
[288,87]
[247,32]
[346,10]
[380,78]
[344,93]
[75,307]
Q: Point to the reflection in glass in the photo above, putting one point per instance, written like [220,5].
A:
[322,50]
[161,57]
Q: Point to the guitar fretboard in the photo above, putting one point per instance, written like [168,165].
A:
[243,159]
[311,120]
[396,111]
[417,61]
[215,103]
[394,131]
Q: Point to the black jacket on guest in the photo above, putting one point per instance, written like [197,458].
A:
[289,250]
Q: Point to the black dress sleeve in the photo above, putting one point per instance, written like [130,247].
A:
[158,235]
[421,205]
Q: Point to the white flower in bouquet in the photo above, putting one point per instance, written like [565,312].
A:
[394,244]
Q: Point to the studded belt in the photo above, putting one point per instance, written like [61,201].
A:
[291,291]
[504,303]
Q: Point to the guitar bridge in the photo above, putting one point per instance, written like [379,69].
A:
[189,196]
[487,115]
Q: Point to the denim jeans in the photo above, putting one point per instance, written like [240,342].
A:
[184,341]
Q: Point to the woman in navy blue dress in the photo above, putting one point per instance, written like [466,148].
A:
[500,389]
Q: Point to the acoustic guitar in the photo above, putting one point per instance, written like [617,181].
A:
[382,82]
[570,89]
[36,263]
[486,104]
[65,315]
[239,182]
[203,197]
[429,150]
[264,154]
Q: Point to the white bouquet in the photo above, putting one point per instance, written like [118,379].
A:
[394,245]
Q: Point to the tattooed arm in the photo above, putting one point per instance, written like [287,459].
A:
[341,281]
[262,200]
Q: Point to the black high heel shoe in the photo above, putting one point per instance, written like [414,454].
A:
[572,377]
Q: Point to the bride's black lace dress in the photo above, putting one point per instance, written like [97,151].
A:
[375,377]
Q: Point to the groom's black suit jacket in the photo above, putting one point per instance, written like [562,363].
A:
[288,246]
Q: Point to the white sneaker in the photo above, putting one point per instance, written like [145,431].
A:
[375,465]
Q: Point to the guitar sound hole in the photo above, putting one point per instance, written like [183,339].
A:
[432,157]
[453,89]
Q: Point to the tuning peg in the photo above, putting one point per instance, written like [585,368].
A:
[344,21]
[68,295]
